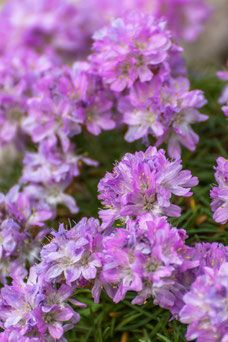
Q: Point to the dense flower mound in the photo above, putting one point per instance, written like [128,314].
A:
[66,28]
[143,183]
[138,59]
[131,73]
[223,75]
[205,307]
[146,255]
[134,76]
[219,194]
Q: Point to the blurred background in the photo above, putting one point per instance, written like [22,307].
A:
[212,45]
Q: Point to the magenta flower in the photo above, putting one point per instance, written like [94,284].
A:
[51,114]
[20,242]
[59,26]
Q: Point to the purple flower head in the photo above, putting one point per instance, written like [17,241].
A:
[143,183]
[52,114]
[219,194]
[50,166]
[164,108]
[72,255]
[18,76]
[18,303]
[96,101]
[20,242]
[195,259]
[129,48]
[205,309]
[144,258]
[223,100]
[59,26]
[26,210]
[185,17]
[52,195]
[210,255]
[37,309]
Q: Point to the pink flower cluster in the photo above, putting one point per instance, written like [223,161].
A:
[143,253]
[137,58]
[134,75]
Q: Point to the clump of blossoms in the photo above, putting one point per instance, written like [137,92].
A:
[19,72]
[72,256]
[129,48]
[138,59]
[205,309]
[145,255]
[36,310]
[20,240]
[65,101]
[223,100]
[219,194]
[66,28]
[143,183]
[57,25]
[143,258]
[48,173]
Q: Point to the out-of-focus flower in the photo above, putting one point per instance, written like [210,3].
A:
[219,194]
[223,100]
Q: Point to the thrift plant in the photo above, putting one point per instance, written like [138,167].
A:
[72,71]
